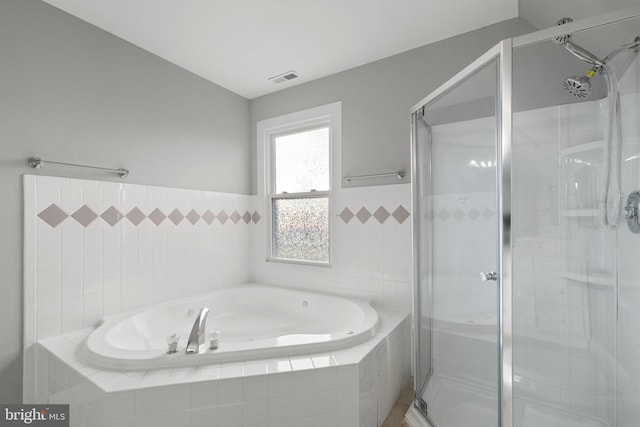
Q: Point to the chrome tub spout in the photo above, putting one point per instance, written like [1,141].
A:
[197,335]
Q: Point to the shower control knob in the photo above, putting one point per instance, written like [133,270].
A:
[632,212]
[488,275]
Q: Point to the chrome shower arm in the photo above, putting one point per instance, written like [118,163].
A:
[582,53]
[577,51]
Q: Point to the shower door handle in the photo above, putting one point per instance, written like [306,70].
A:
[488,275]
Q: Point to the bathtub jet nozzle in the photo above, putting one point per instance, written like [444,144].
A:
[196,337]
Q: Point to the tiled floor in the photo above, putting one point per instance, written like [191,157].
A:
[396,416]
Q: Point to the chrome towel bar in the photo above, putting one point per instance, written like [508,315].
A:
[37,163]
[399,175]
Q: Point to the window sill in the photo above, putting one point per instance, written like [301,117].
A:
[298,262]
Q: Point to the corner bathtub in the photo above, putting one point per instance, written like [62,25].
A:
[255,322]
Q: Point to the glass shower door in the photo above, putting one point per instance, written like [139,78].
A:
[575,279]
[457,219]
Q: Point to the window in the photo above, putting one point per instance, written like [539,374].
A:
[300,195]
[298,152]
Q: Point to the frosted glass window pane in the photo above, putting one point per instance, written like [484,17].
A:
[302,161]
[301,229]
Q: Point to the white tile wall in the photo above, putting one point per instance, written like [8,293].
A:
[80,274]
[76,274]
[370,260]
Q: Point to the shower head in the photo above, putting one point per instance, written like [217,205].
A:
[580,86]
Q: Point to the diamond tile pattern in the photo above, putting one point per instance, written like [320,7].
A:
[193,217]
[157,216]
[208,217]
[136,216]
[401,214]
[176,216]
[112,216]
[363,215]
[346,215]
[381,214]
[84,215]
[488,213]
[235,217]
[222,217]
[459,214]
[53,215]
[443,214]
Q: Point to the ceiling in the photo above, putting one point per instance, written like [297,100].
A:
[240,44]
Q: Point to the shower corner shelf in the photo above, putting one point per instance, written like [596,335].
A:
[598,278]
[582,148]
[574,213]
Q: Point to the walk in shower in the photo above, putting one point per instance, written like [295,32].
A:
[527,263]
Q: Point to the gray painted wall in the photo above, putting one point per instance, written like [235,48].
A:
[376,99]
[73,93]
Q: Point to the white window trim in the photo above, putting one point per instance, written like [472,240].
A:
[295,122]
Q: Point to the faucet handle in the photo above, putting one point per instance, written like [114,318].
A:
[172,343]
[488,275]
[213,340]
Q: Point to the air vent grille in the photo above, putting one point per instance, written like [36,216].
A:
[284,77]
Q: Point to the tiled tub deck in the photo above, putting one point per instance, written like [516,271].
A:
[354,387]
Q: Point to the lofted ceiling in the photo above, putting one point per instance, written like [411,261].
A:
[241,44]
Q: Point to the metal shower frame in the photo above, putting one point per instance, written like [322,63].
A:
[503,53]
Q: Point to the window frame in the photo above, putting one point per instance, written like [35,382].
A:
[330,116]
[272,195]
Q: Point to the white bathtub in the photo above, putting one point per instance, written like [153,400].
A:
[255,322]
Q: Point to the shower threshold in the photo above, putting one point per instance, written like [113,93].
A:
[457,403]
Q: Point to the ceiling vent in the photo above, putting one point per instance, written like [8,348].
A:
[284,77]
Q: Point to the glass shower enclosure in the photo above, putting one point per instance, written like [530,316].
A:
[526,167]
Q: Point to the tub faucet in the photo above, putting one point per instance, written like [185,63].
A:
[197,335]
